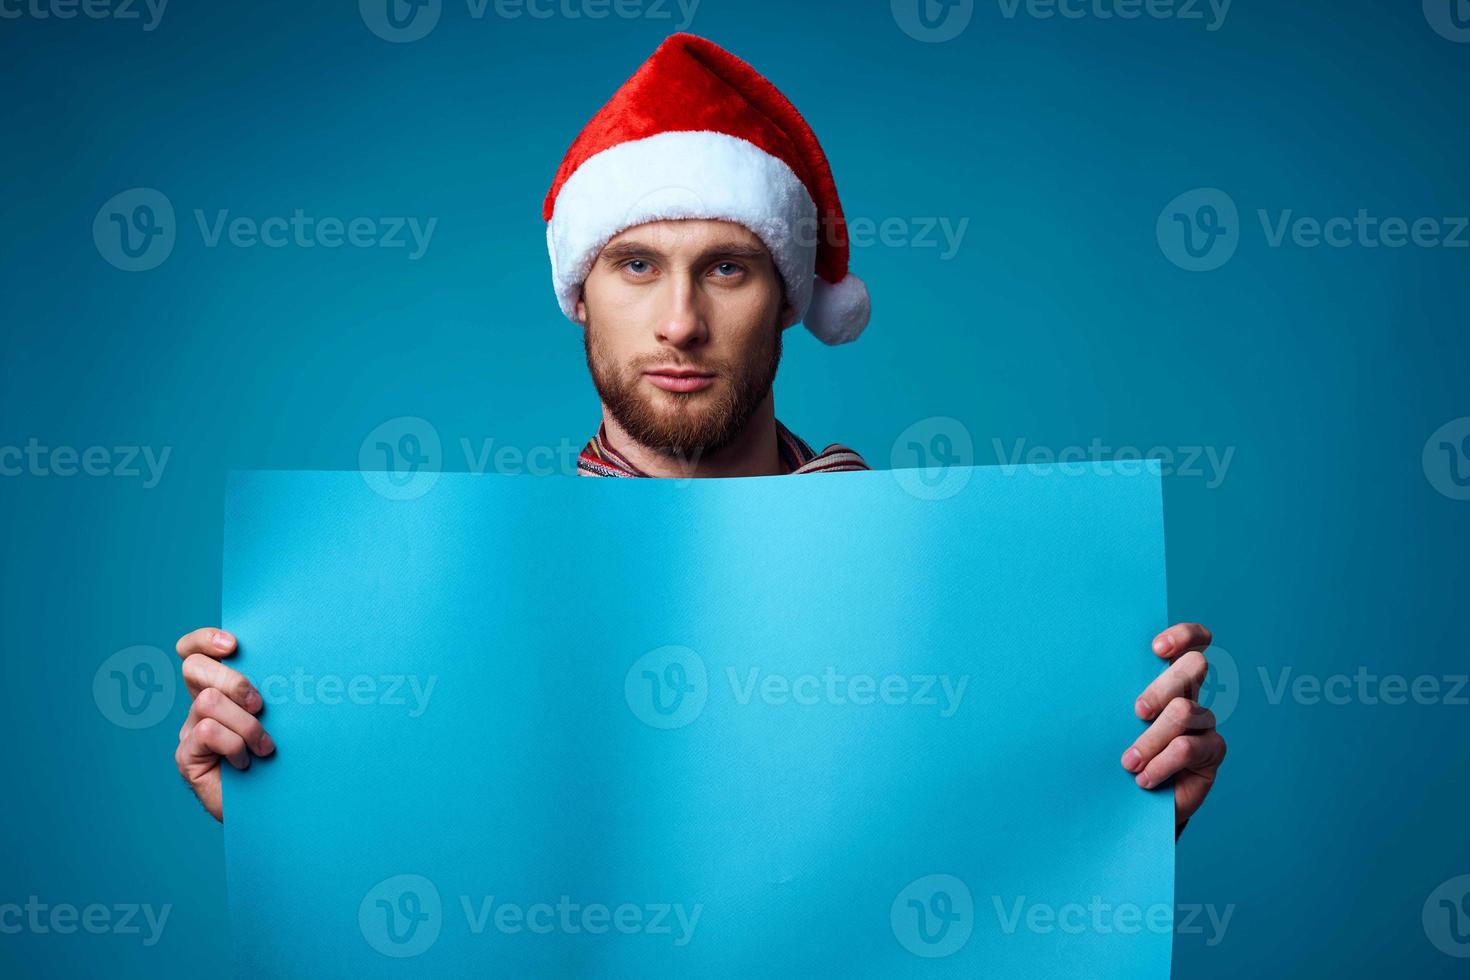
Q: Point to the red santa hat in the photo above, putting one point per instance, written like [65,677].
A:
[698,133]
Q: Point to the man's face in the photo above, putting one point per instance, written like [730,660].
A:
[683,332]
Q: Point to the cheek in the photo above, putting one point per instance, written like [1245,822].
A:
[746,320]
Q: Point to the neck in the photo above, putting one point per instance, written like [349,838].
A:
[753,452]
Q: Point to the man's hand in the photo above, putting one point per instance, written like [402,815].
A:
[221,722]
[1182,741]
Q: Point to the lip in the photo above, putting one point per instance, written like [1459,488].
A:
[680,379]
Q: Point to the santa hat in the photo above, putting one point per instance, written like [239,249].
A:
[698,133]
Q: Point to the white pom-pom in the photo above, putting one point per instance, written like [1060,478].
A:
[838,311]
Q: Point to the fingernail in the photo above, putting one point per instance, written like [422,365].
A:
[1163,645]
[222,640]
[253,701]
[266,745]
[1131,759]
[1143,780]
[1142,708]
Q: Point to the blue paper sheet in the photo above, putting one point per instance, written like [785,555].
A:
[805,726]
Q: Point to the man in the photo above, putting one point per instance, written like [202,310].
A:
[693,221]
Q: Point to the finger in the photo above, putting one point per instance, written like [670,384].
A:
[1180,638]
[1193,752]
[1181,679]
[211,703]
[203,779]
[201,671]
[209,641]
[1190,790]
[208,741]
[1179,717]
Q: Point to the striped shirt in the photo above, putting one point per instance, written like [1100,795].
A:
[599,458]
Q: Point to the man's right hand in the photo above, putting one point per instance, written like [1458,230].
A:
[221,722]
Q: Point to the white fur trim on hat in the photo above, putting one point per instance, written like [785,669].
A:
[678,175]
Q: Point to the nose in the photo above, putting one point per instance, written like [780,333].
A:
[681,322]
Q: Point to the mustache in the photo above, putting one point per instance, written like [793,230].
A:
[641,364]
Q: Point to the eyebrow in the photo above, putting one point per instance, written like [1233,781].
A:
[633,249]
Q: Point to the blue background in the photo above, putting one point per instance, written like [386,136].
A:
[1061,320]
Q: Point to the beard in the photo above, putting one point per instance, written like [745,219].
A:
[677,424]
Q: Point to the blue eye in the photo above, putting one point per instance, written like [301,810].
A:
[732,268]
[637,266]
